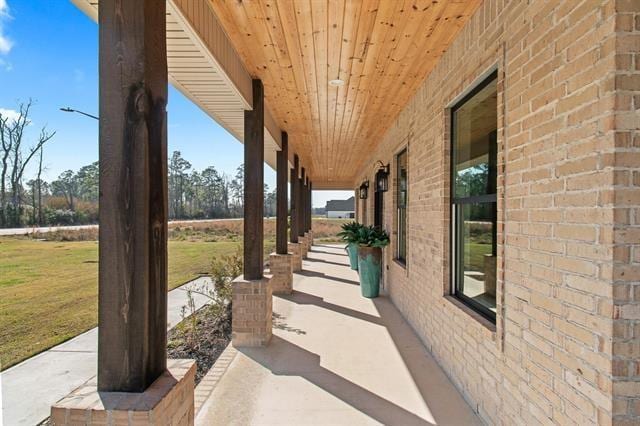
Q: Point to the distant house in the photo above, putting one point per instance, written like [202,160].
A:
[341,209]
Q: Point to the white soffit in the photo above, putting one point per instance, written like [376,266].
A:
[203,65]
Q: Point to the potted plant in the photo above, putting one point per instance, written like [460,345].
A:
[370,240]
[349,236]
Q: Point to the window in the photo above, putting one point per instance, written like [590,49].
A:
[473,198]
[401,203]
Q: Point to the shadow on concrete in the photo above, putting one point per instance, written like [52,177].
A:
[308,273]
[311,259]
[279,323]
[286,358]
[313,250]
[302,298]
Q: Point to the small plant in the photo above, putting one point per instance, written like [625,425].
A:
[371,236]
[349,233]
[223,270]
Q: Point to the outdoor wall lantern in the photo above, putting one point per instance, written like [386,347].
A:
[382,177]
[364,189]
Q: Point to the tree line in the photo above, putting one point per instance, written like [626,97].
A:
[72,198]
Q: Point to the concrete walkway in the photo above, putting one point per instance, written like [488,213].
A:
[45,229]
[336,358]
[28,389]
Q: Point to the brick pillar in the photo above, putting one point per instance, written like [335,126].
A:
[281,270]
[169,398]
[308,239]
[304,248]
[251,312]
[296,257]
[252,304]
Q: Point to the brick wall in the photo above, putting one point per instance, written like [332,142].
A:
[566,345]
[625,199]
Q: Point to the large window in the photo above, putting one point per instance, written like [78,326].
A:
[473,198]
[401,203]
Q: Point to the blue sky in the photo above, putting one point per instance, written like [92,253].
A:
[49,53]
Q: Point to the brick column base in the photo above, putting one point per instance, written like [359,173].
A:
[296,256]
[280,267]
[169,398]
[303,246]
[309,237]
[251,312]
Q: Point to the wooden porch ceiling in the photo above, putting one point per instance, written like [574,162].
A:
[381,49]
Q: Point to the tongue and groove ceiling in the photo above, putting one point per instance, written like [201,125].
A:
[381,49]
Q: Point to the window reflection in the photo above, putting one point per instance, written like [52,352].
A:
[478,280]
[474,157]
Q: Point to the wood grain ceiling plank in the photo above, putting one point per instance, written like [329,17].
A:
[382,49]
[347,53]
[335,25]
[418,16]
[366,23]
[319,21]
[289,63]
[372,48]
[287,16]
[448,22]
[304,28]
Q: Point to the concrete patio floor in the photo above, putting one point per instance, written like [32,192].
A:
[335,358]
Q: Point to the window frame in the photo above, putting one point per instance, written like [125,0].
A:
[455,212]
[402,260]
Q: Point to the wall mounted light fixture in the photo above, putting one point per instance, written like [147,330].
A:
[382,177]
[364,189]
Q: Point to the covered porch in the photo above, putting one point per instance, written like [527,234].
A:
[335,358]
[505,136]
[195,45]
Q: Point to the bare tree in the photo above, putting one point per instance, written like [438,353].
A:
[15,160]
[39,182]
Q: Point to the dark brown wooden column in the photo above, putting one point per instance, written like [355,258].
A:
[254,185]
[282,171]
[132,296]
[295,199]
[302,203]
[310,204]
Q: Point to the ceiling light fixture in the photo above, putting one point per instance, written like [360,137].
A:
[336,83]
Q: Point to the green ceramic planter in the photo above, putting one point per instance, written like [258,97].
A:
[352,251]
[370,269]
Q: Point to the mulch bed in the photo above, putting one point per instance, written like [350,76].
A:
[213,336]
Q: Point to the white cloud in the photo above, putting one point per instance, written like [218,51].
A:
[5,42]
[11,113]
[6,65]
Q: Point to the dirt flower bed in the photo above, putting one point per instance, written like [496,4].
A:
[201,337]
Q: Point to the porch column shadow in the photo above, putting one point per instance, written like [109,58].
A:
[302,298]
[308,273]
[287,359]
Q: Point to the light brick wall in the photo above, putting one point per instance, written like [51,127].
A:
[252,310]
[281,271]
[168,401]
[625,198]
[566,345]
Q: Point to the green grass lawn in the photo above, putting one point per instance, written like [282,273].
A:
[48,289]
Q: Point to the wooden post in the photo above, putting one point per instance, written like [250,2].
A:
[132,296]
[310,203]
[254,185]
[282,168]
[302,203]
[295,199]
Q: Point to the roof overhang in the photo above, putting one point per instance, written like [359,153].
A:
[204,66]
